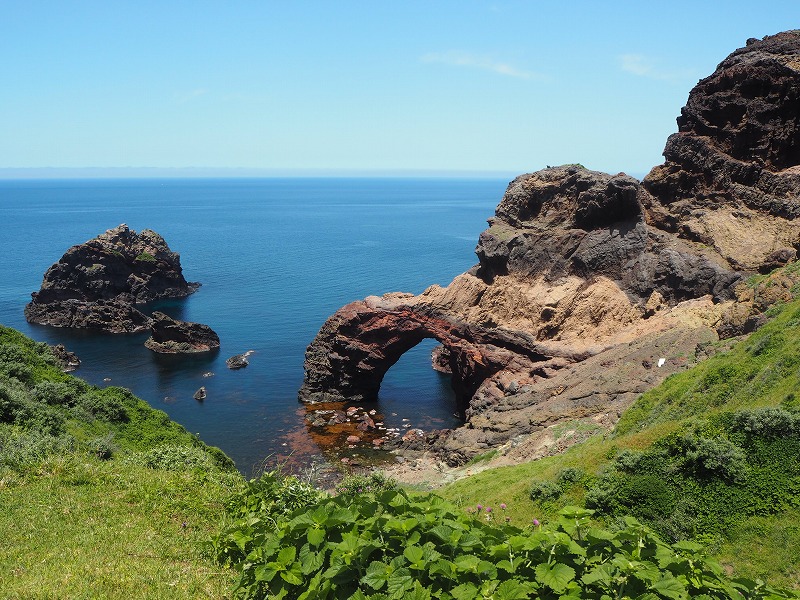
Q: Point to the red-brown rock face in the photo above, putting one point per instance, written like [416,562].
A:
[731,179]
[586,281]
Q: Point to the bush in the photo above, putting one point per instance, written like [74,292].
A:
[772,422]
[98,404]
[23,450]
[374,483]
[55,393]
[102,447]
[545,491]
[168,457]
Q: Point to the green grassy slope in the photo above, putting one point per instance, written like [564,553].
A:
[711,455]
[101,496]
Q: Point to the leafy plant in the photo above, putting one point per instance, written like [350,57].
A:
[397,546]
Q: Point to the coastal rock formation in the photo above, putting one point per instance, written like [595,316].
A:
[591,288]
[68,361]
[238,361]
[97,284]
[170,336]
[731,180]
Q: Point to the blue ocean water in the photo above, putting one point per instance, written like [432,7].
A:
[275,257]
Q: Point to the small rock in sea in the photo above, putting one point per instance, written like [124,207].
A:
[200,394]
[239,361]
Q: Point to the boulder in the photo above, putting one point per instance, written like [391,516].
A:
[170,336]
[238,361]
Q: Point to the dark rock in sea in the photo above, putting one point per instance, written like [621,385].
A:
[170,336]
[69,361]
[97,284]
[239,361]
[200,394]
[585,279]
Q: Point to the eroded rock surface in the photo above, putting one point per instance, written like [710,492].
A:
[170,336]
[586,280]
[98,284]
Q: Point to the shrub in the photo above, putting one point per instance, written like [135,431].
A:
[570,476]
[169,457]
[710,456]
[102,447]
[771,422]
[99,404]
[374,483]
[23,450]
[545,491]
[56,393]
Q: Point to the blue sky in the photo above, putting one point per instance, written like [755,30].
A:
[440,86]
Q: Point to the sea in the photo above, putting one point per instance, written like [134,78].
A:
[275,257]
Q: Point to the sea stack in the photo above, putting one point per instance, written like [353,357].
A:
[97,284]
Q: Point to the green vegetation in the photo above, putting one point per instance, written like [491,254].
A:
[146,257]
[695,494]
[709,456]
[100,495]
[391,544]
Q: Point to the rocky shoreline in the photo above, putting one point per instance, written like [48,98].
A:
[592,288]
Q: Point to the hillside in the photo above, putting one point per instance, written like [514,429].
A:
[710,455]
[101,496]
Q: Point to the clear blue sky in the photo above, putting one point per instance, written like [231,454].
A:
[507,86]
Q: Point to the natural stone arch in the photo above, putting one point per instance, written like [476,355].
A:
[358,345]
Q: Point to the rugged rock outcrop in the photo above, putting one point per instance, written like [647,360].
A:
[592,287]
[170,336]
[69,361]
[731,179]
[98,284]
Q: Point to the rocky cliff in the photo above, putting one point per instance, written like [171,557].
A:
[592,287]
[98,284]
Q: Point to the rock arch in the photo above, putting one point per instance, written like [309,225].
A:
[361,341]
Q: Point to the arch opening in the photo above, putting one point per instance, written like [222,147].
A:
[411,389]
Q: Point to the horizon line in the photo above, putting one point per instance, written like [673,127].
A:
[9,173]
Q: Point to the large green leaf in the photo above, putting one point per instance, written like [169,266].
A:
[555,576]
[669,587]
[514,590]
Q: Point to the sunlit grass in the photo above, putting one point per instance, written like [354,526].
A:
[87,529]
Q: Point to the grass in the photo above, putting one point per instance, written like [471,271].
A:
[101,496]
[763,370]
[82,528]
